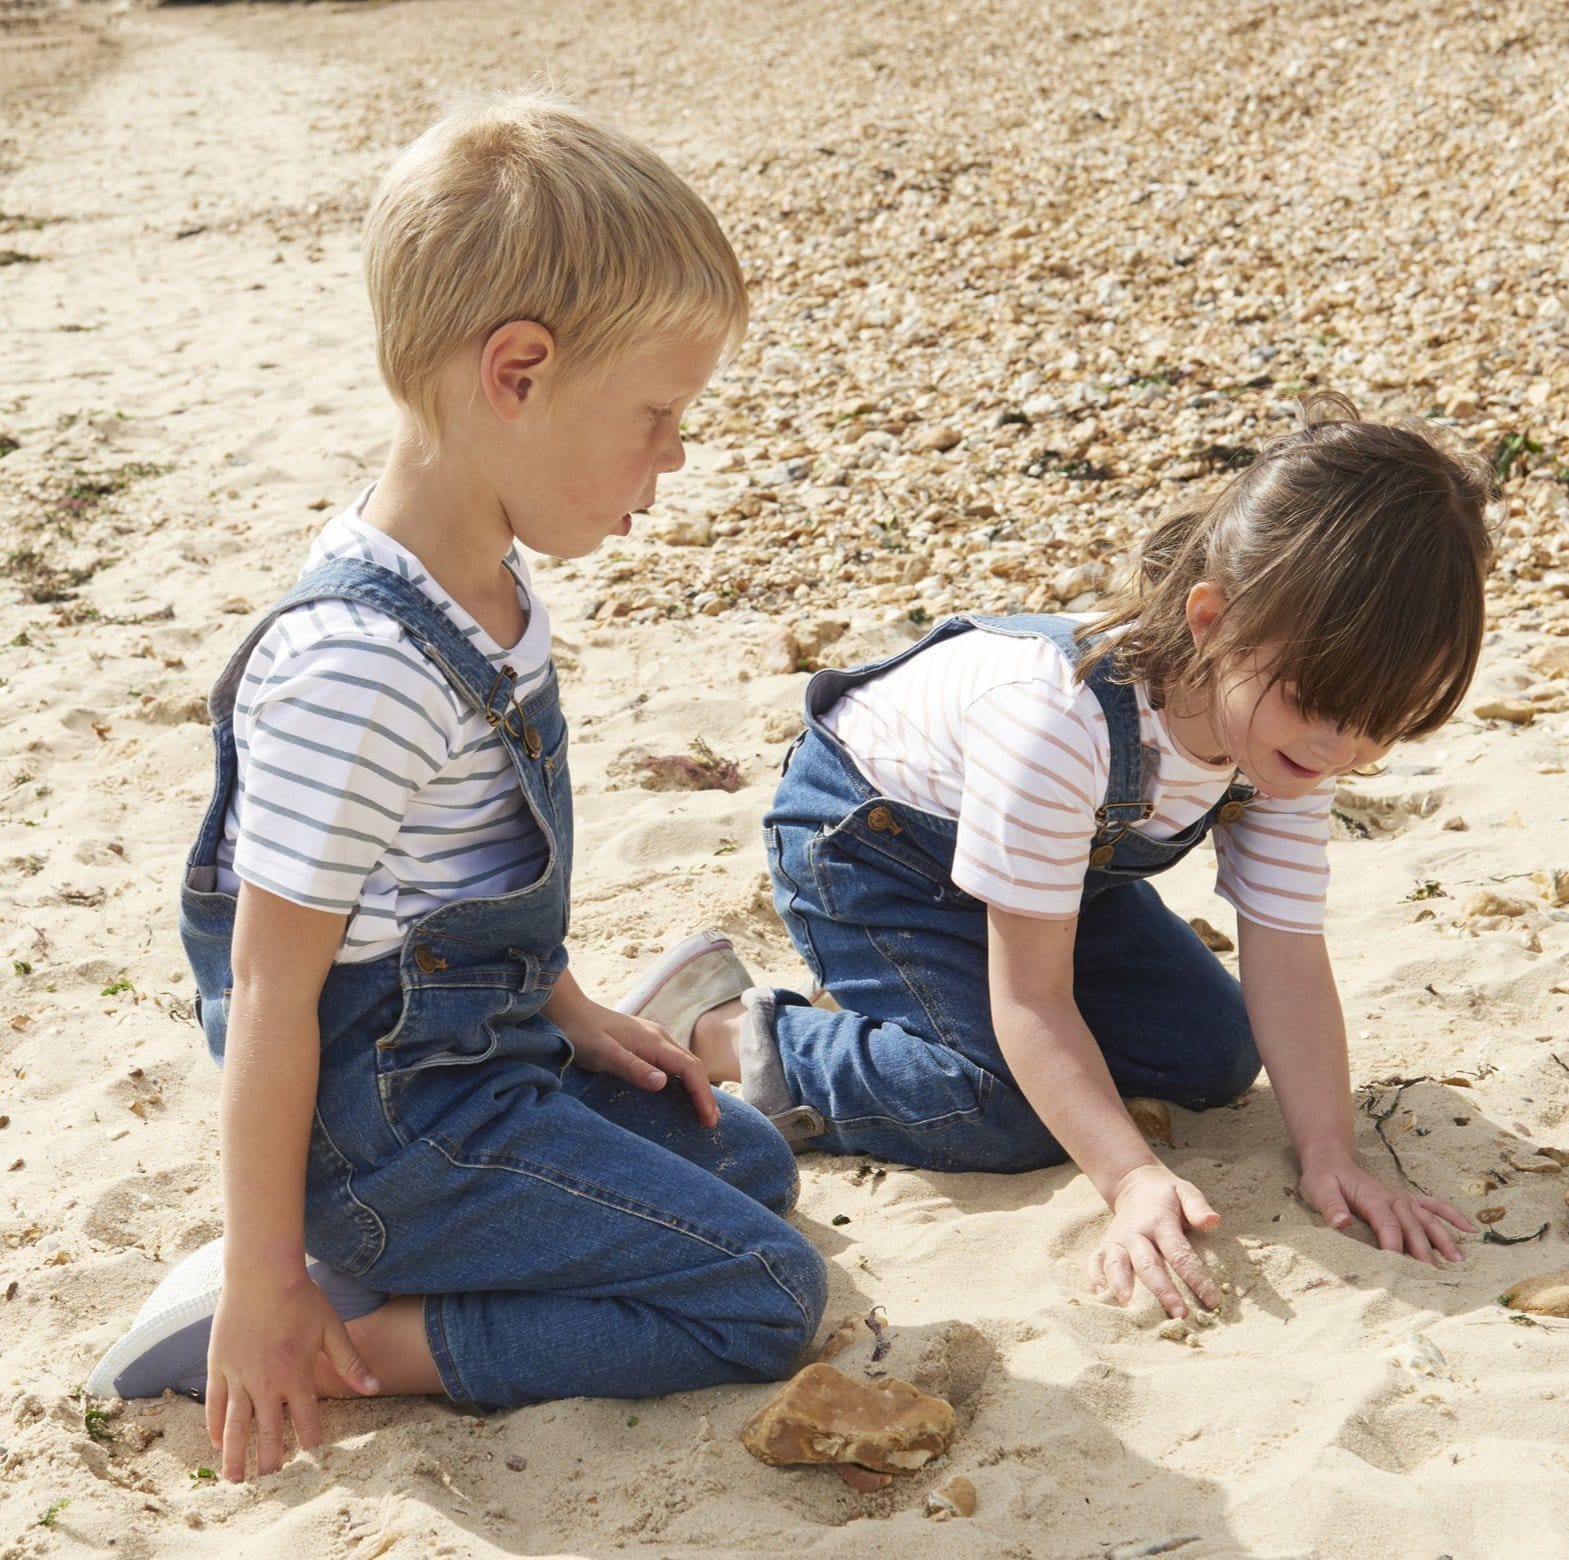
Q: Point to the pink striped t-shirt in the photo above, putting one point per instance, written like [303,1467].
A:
[992,730]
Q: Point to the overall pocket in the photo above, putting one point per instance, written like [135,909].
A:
[870,862]
[454,1041]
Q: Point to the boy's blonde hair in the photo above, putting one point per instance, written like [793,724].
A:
[526,208]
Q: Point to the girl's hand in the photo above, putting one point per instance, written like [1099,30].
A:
[261,1358]
[642,1053]
[1152,1210]
[1418,1226]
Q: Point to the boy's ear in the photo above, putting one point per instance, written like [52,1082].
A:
[1206,602]
[515,359]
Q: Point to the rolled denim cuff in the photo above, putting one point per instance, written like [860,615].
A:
[763,1082]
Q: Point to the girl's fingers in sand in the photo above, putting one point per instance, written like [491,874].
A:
[1184,1261]
[236,1436]
[1149,1264]
[1438,1207]
[305,1416]
[1119,1273]
[269,1436]
[1439,1234]
[216,1406]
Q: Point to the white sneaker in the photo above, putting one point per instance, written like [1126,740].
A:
[680,986]
[166,1346]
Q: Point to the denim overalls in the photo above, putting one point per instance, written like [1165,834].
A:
[573,1235]
[910,1067]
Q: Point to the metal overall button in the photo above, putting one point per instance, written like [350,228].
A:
[883,821]
[429,962]
[532,745]
[1101,855]
[1232,811]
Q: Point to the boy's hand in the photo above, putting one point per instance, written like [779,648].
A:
[1152,1210]
[1418,1226]
[261,1358]
[641,1052]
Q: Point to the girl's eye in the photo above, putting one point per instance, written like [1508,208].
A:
[661,411]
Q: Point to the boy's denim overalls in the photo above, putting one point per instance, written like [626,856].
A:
[573,1235]
[910,1068]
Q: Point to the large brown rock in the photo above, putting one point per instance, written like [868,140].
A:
[823,1416]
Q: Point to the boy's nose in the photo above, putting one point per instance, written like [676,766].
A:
[674,456]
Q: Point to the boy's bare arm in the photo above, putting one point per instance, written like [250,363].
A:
[282,954]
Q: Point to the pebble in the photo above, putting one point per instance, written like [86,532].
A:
[937,439]
[1518,712]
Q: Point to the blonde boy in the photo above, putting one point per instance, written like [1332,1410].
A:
[502,1199]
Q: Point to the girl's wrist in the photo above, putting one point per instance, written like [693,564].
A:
[1335,1153]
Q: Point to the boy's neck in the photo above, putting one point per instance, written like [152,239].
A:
[442,512]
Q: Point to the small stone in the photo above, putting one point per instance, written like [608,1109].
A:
[1456,824]
[1485,903]
[1174,1331]
[1554,883]
[516,1462]
[1490,1215]
[1551,660]
[1518,712]
[1212,937]
[954,1497]
[937,440]
[685,530]
[1152,1118]
[1545,1295]
[823,1416]
[1457,402]
[780,652]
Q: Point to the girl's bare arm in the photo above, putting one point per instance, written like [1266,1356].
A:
[1301,1035]
[1060,1069]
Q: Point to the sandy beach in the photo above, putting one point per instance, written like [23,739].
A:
[1020,274]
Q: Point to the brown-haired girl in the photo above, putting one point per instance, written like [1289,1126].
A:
[962,842]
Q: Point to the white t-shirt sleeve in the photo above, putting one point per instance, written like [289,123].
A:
[1274,860]
[343,722]
[1034,765]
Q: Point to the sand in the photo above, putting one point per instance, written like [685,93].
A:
[946,213]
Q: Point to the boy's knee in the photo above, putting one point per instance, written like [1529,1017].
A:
[787,1322]
[757,1160]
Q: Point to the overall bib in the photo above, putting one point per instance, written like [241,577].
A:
[910,1068]
[571,1234]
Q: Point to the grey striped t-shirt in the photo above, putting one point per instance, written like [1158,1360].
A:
[365,785]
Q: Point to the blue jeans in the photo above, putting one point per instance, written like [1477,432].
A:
[571,1235]
[910,1069]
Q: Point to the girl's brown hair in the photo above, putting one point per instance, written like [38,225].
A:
[1359,549]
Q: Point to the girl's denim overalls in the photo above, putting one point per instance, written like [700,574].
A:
[910,1067]
[573,1235]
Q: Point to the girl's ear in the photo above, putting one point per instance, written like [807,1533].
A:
[515,359]
[1206,602]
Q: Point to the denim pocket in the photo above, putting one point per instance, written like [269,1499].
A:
[870,860]
[340,1228]
[788,898]
[449,1025]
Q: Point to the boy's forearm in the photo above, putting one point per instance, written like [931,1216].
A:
[1294,1011]
[271,1062]
[1061,1072]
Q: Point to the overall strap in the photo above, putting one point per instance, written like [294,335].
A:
[487,691]
[1131,763]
